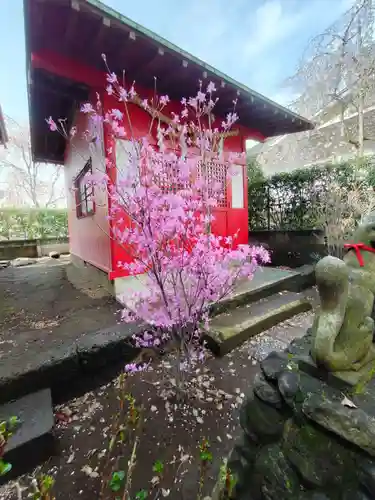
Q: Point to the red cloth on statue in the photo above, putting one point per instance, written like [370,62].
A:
[357,247]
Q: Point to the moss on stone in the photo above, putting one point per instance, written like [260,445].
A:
[319,459]
[360,387]
[274,476]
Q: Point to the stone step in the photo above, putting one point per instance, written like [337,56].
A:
[33,441]
[230,329]
[266,282]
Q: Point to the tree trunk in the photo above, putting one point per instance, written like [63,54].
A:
[361,100]
[361,126]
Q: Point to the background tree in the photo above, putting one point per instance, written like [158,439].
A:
[334,86]
[25,182]
[254,170]
[336,76]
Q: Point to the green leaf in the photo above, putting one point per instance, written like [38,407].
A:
[14,422]
[117,480]
[206,456]
[158,467]
[5,467]
[141,495]
[47,482]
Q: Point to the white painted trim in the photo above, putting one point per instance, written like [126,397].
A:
[237,187]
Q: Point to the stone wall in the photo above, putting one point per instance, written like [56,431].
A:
[300,438]
[45,246]
[12,249]
[18,248]
[291,248]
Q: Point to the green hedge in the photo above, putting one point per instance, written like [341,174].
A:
[33,223]
[286,201]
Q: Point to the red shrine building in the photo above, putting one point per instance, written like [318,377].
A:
[64,43]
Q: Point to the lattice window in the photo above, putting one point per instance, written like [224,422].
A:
[216,173]
[167,181]
[84,190]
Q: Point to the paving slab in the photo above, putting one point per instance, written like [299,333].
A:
[34,433]
[229,330]
[265,282]
[35,414]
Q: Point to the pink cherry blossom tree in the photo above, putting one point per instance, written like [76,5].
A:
[162,211]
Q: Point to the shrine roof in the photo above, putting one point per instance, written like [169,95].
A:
[81,30]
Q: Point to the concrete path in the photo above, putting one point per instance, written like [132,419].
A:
[39,308]
[47,328]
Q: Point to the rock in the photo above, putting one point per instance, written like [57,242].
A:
[267,392]
[274,364]
[355,495]
[341,380]
[351,424]
[309,384]
[318,460]
[301,346]
[244,451]
[273,476]
[290,389]
[237,463]
[299,440]
[240,464]
[289,384]
[260,420]
[54,255]
[366,474]
[313,496]
[23,261]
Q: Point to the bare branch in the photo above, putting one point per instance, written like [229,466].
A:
[335,82]
[28,183]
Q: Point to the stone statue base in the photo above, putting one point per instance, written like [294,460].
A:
[360,377]
[347,380]
[307,434]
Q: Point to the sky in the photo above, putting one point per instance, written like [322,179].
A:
[257,42]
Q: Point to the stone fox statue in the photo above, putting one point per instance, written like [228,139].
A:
[343,328]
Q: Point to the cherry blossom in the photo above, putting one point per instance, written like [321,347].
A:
[168,197]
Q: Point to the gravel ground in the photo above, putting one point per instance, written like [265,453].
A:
[170,432]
